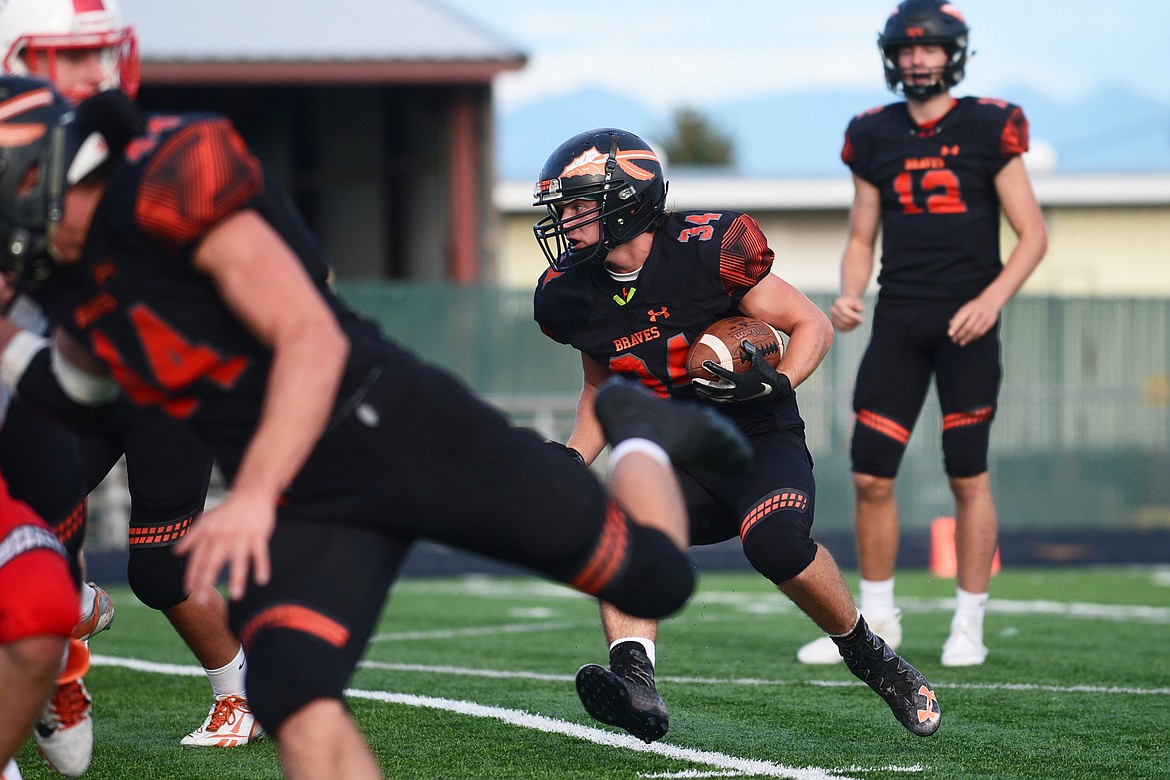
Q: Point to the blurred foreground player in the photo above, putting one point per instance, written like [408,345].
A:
[85,48]
[181,274]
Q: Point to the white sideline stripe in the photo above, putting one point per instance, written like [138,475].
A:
[501,674]
[462,672]
[743,766]
[487,588]
[195,671]
[452,633]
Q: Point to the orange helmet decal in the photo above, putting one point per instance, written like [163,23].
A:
[953,11]
[592,163]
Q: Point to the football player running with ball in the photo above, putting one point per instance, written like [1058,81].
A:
[933,172]
[631,286]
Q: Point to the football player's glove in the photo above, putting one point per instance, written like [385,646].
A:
[569,451]
[760,383]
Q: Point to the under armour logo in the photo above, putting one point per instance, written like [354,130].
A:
[931,713]
[952,151]
[654,315]
[625,297]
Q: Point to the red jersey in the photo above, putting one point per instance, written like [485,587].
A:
[37,594]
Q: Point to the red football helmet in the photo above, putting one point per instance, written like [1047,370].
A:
[36,35]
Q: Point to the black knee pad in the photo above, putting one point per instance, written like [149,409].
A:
[287,670]
[877,448]
[775,535]
[964,443]
[656,578]
[156,576]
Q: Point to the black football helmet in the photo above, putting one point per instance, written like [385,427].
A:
[615,168]
[924,21]
[47,145]
[34,157]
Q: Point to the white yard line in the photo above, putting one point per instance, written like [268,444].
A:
[453,633]
[484,587]
[727,765]
[730,764]
[721,764]
[195,671]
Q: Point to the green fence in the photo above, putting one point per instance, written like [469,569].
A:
[1081,439]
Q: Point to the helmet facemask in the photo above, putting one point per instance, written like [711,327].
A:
[33,161]
[39,56]
[47,145]
[627,185]
[948,75]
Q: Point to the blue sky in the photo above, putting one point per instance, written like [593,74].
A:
[1103,67]
[1063,49]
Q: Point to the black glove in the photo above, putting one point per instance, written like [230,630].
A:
[569,451]
[760,383]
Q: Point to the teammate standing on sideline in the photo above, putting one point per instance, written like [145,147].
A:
[180,269]
[83,49]
[933,172]
[631,286]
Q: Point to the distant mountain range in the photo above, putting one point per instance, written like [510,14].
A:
[799,133]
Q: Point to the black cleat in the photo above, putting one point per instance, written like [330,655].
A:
[902,686]
[624,697]
[693,436]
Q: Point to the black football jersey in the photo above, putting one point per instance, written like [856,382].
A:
[940,211]
[701,265]
[159,325]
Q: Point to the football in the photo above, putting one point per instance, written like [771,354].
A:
[721,344]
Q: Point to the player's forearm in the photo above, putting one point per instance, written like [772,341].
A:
[587,437]
[856,268]
[808,344]
[302,390]
[1022,261]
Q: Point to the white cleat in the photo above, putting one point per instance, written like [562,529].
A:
[964,647]
[824,651]
[11,771]
[229,724]
[64,732]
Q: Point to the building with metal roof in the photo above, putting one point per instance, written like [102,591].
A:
[375,115]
